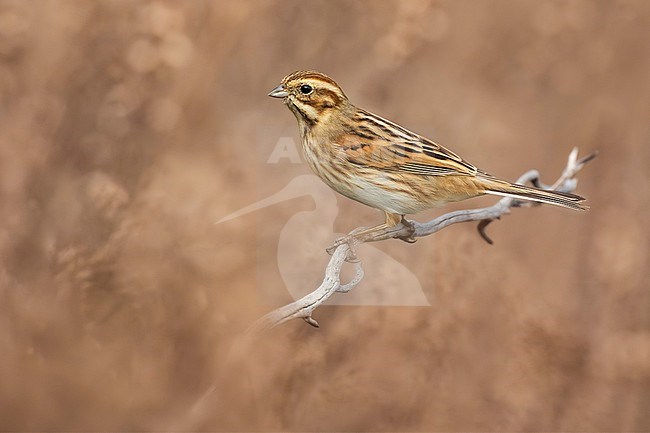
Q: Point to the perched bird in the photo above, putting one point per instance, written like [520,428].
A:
[383,165]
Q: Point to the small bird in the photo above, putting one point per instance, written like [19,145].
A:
[383,165]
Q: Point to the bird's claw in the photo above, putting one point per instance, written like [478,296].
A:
[337,243]
[410,237]
[352,255]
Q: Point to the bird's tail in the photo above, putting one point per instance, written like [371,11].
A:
[521,192]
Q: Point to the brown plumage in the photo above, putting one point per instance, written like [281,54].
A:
[383,165]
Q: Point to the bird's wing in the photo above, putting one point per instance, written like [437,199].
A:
[381,144]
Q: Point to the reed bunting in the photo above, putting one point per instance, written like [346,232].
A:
[383,165]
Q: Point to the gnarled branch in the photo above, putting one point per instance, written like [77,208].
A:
[304,307]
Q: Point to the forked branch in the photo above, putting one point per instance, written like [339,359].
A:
[303,308]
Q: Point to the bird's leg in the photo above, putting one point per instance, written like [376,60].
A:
[364,234]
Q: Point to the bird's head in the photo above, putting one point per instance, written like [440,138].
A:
[311,96]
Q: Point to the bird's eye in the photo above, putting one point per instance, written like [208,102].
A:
[306,89]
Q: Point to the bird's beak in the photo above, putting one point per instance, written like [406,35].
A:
[279,92]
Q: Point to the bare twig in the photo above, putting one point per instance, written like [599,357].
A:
[304,307]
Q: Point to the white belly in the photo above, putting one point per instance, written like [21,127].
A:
[377,193]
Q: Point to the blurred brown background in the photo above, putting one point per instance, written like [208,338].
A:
[128,127]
